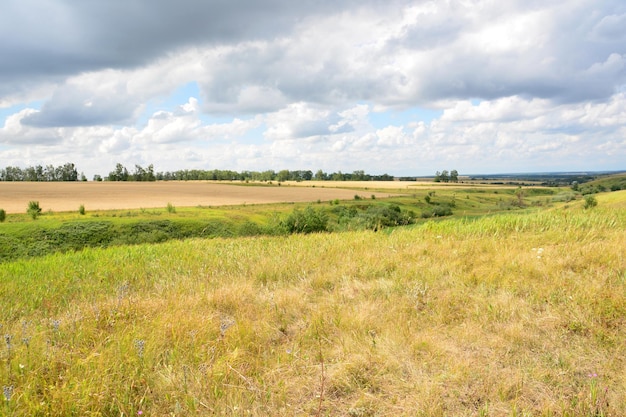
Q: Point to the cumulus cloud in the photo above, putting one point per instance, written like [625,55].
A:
[309,82]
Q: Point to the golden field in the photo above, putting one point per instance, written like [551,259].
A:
[68,196]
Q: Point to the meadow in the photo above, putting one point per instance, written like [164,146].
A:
[498,310]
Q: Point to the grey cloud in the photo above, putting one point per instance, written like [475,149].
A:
[320,128]
[578,52]
[70,106]
[565,63]
[611,28]
[67,37]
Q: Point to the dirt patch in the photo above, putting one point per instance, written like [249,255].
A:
[68,196]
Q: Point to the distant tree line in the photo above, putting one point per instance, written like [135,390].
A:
[66,172]
[445,176]
[147,174]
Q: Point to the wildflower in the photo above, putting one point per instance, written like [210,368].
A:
[26,341]
[56,324]
[122,291]
[139,346]
[225,324]
[139,412]
[8,392]
[7,339]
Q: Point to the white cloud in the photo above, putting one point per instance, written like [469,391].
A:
[519,84]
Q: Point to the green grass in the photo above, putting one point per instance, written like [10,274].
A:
[517,313]
[22,236]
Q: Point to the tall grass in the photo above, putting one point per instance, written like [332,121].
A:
[508,315]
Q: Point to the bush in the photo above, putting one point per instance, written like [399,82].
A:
[81,209]
[590,202]
[171,208]
[308,220]
[379,217]
[33,209]
[3,215]
[438,211]
[374,217]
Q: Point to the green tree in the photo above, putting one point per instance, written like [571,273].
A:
[454,176]
[283,175]
[69,172]
[120,173]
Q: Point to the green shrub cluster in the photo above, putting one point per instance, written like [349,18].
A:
[309,220]
[439,210]
[372,217]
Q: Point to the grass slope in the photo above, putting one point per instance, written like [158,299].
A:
[514,314]
[21,236]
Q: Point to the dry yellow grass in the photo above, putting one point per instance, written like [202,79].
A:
[502,316]
[68,196]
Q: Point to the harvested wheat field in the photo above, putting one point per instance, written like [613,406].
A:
[68,196]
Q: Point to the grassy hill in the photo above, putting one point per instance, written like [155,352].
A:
[518,313]
[23,237]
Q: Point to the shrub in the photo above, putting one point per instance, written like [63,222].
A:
[438,211]
[590,202]
[33,209]
[3,215]
[171,208]
[379,217]
[308,220]
[81,209]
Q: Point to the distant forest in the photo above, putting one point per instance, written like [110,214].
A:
[68,172]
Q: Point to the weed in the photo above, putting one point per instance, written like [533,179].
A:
[33,209]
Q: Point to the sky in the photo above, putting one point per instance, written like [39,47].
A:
[394,86]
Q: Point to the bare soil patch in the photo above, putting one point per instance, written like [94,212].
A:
[68,196]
